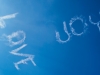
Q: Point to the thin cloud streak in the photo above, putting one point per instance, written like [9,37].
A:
[2,18]
[9,16]
[2,23]
[73,30]
[58,35]
[23,61]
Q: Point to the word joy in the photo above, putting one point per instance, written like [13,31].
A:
[73,30]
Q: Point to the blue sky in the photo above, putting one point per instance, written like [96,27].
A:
[43,26]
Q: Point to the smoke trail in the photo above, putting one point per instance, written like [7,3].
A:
[97,23]
[17,35]
[9,16]
[66,31]
[2,18]
[2,24]
[23,61]
[73,30]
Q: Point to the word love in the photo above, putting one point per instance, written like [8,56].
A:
[73,30]
[18,35]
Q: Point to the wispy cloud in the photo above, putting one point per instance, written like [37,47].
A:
[2,18]
[66,31]
[2,24]
[9,16]
[97,23]
[23,61]
[19,35]
[73,30]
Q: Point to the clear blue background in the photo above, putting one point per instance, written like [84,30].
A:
[39,19]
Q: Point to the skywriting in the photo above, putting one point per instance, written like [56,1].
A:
[49,37]
[21,40]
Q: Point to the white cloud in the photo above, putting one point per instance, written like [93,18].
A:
[2,18]
[73,30]
[66,31]
[18,35]
[9,16]
[2,24]
[97,23]
[23,61]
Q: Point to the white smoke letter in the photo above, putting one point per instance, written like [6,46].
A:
[2,18]
[66,31]
[23,61]
[20,35]
[73,30]
[97,23]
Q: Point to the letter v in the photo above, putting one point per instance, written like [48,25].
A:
[23,61]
